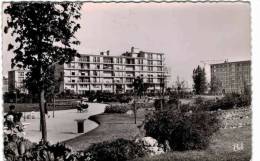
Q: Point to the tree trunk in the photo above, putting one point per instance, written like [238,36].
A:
[135,109]
[53,105]
[42,117]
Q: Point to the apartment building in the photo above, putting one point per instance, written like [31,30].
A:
[108,73]
[5,85]
[234,77]
[16,80]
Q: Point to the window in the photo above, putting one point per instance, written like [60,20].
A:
[150,78]
[150,68]
[150,56]
[72,73]
[72,86]
[108,86]
[71,65]
[141,67]
[82,73]
[96,59]
[84,58]
[81,65]
[72,80]
[96,86]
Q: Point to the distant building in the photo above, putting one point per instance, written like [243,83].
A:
[233,77]
[16,80]
[106,73]
[5,84]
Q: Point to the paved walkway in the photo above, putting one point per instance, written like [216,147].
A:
[63,126]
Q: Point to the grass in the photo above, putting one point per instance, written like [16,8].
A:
[220,149]
[114,126]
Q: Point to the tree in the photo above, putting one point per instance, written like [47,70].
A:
[215,85]
[139,88]
[138,85]
[179,85]
[44,35]
[119,88]
[199,80]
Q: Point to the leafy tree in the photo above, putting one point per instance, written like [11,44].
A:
[138,85]
[179,85]
[199,80]
[215,85]
[139,88]
[44,35]
[119,88]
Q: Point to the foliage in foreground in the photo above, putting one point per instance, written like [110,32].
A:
[183,130]
[117,150]
[198,156]
[229,101]
[117,108]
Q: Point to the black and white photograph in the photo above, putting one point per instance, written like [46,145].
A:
[126,81]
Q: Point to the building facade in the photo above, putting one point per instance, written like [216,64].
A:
[5,85]
[110,73]
[233,77]
[16,80]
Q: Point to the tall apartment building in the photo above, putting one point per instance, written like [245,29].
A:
[234,77]
[5,85]
[15,80]
[105,72]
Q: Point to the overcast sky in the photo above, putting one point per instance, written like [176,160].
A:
[186,32]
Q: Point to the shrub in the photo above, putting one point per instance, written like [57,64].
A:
[117,150]
[124,98]
[199,101]
[183,130]
[158,103]
[117,108]
[243,100]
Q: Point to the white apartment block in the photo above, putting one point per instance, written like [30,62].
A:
[16,80]
[105,72]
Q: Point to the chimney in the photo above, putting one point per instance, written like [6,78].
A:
[108,52]
[132,50]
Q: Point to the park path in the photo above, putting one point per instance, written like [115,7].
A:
[63,126]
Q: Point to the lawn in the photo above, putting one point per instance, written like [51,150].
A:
[221,148]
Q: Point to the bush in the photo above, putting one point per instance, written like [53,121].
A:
[117,108]
[124,98]
[183,130]
[158,103]
[117,150]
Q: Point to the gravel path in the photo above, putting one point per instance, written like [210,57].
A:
[63,126]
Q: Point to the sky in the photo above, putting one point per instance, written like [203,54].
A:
[187,33]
